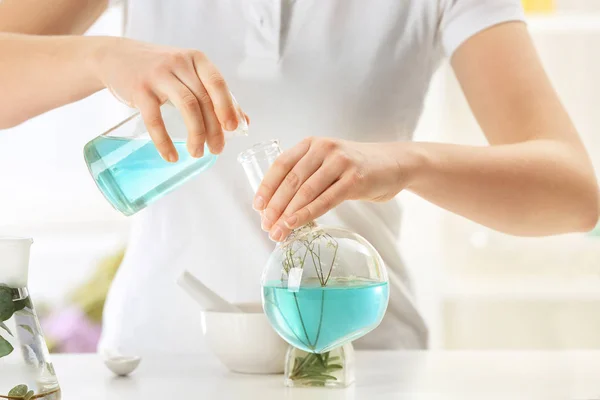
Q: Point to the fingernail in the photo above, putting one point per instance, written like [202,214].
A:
[276,234]
[259,203]
[216,149]
[230,125]
[172,157]
[291,221]
[196,153]
[265,224]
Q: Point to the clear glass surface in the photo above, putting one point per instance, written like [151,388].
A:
[129,170]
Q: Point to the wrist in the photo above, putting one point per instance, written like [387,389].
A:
[95,53]
[411,163]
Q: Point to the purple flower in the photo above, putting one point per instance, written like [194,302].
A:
[72,331]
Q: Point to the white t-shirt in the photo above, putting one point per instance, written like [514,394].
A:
[351,69]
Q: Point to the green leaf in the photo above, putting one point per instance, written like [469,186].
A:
[321,377]
[5,347]
[3,326]
[334,367]
[27,328]
[29,395]
[50,368]
[18,391]
[21,304]
[7,307]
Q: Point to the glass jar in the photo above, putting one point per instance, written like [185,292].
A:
[129,170]
[322,287]
[26,372]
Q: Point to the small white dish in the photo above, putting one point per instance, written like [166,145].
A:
[121,365]
[244,342]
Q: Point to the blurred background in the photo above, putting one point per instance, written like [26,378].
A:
[478,289]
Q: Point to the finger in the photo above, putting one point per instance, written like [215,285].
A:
[247,118]
[329,199]
[149,107]
[214,134]
[317,184]
[314,186]
[293,181]
[218,91]
[276,173]
[187,103]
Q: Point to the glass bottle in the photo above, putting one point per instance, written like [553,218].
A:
[322,287]
[26,372]
[129,170]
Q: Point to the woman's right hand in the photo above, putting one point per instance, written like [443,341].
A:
[145,76]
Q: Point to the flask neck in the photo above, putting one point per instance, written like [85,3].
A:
[256,162]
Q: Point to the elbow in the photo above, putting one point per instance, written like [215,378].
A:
[582,192]
[592,213]
[10,120]
[588,208]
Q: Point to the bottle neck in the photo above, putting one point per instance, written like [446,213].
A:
[257,160]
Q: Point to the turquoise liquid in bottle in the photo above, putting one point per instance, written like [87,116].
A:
[130,172]
[318,319]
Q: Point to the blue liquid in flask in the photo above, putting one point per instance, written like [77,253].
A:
[318,319]
[131,174]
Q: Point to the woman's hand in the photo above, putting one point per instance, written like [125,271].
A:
[319,173]
[145,76]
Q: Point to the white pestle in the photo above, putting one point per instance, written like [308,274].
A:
[208,300]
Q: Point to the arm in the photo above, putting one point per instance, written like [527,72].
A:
[534,179]
[39,73]
[49,17]
[33,90]
[42,73]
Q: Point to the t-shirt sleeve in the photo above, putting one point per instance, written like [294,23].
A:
[462,19]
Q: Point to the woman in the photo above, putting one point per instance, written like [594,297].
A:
[349,76]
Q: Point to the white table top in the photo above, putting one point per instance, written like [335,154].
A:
[379,375]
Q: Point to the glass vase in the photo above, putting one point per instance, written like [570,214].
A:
[26,371]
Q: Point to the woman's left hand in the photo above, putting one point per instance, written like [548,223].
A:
[316,175]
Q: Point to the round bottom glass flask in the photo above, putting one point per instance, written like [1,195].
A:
[322,288]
